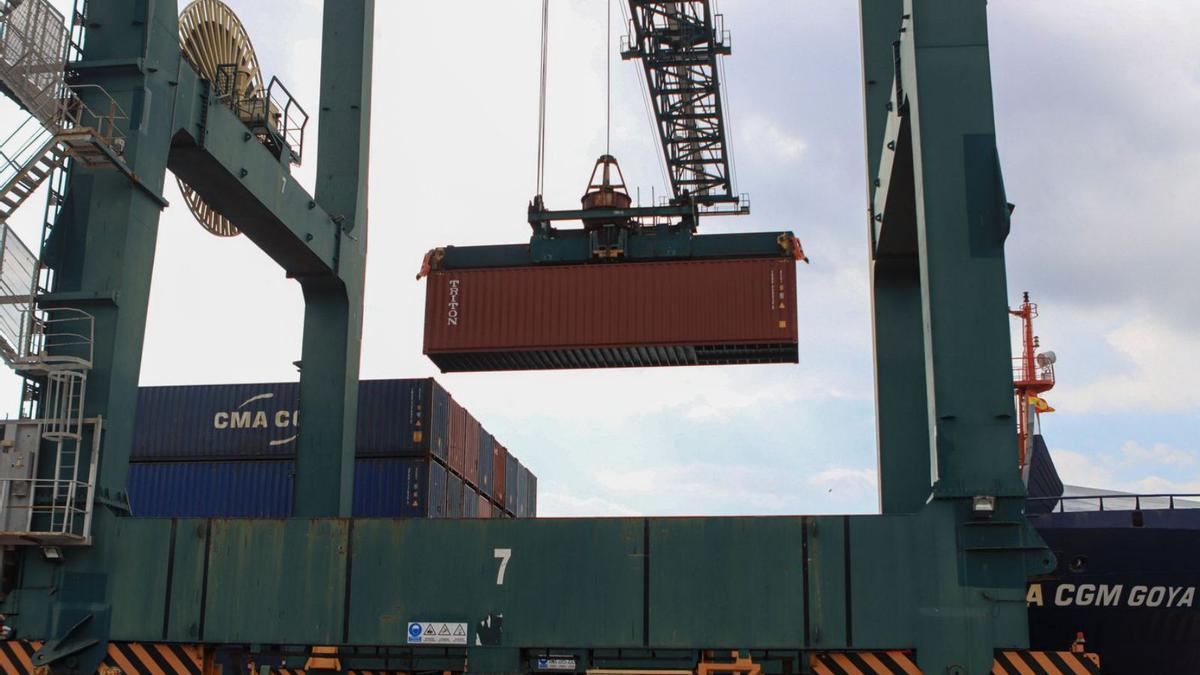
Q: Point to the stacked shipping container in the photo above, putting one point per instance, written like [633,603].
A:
[229,451]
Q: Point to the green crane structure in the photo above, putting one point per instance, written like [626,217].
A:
[939,577]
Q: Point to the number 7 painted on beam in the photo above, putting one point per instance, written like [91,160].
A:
[503,555]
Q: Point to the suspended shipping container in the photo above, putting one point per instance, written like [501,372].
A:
[697,312]
[239,421]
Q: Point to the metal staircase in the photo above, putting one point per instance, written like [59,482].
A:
[46,500]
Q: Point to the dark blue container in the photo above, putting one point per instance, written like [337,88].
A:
[470,505]
[511,469]
[437,490]
[454,496]
[257,421]
[261,489]
[393,487]
[531,510]
[397,487]
[486,445]
[522,492]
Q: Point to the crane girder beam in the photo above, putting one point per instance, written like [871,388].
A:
[213,151]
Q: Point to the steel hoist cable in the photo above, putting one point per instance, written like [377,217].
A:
[541,149]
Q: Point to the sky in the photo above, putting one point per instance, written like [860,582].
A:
[1095,108]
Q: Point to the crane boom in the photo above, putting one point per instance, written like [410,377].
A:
[678,44]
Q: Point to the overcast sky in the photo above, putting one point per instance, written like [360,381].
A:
[1096,105]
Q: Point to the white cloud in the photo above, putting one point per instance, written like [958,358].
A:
[843,479]
[1159,453]
[556,503]
[1134,468]
[1160,375]
[764,137]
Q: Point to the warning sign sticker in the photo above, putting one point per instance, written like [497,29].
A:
[436,633]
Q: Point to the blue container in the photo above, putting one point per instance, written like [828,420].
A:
[531,509]
[454,496]
[470,504]
[393,487]
[522,492]
[397,487]
[438,490]
[257,421]
[511,469]
[261,489]
[486,446]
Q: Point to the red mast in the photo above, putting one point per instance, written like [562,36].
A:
[1033,374]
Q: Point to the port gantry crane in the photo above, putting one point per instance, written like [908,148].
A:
[935,583]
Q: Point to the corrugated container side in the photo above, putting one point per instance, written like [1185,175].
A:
[471,461]
[470,502]
[499,463]
[258,489]
[531,511]
[439,418]
[483,509]
[486,448]
[511,467]
[458,436]
[256,421]
[394,417]
[694,312]
[220,421]
[497,512]
[454,496]
[522,492]
[438,489]
[393,487]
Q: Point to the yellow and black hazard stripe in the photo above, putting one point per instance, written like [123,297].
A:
[1024,662]
[864,663]
[15,656]
[128,658]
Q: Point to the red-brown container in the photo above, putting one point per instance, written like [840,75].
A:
[485,508]
[499,459]
[700,312]
[471,447]
[458,436]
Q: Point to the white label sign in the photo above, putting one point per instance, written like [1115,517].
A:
[436,633]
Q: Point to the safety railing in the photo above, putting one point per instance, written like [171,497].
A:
[54,510]
[1022,368]
[289,117]
[61,338]
[24,144]
[33,48]
[105,122]
[18,276]
[1119,502]
[274,115]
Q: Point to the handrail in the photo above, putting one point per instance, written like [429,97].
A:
[1060,506]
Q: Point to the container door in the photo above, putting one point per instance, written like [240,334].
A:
[439,421]
[486,448]
[454,496]
[499,462]
[437,490]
